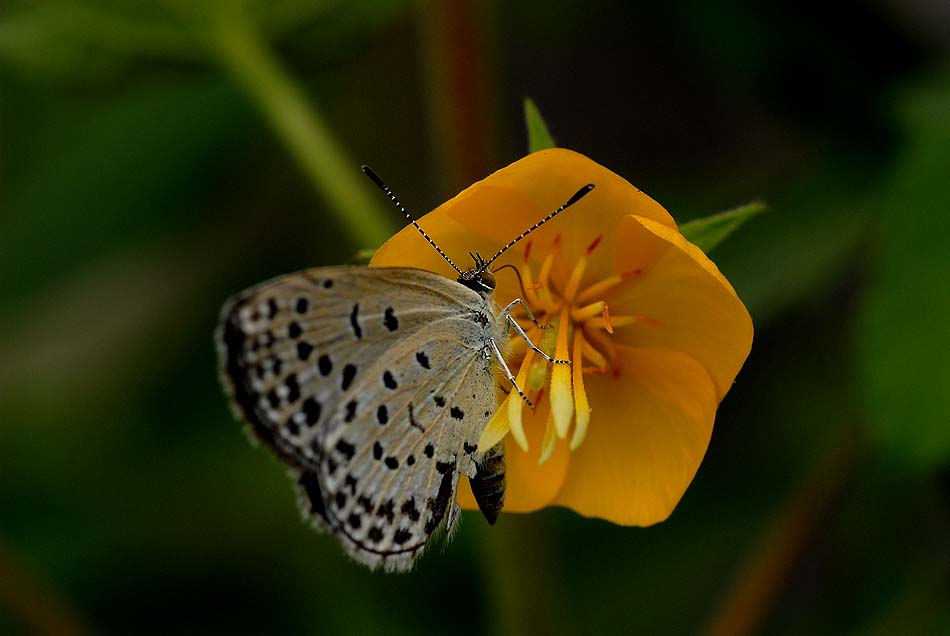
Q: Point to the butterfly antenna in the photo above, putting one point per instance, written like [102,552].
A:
[580,194]
[385,188]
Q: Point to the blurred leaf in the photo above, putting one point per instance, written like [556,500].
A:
[363,256]
[84,39]
[539,137]
[904,332]
[140,164]
[76,39]
[708,232]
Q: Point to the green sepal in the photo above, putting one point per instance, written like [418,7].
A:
[708,232]
[539,137]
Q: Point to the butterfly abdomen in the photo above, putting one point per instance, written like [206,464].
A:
[488,485]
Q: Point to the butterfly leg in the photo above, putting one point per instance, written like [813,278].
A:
[506,314]
[508,374]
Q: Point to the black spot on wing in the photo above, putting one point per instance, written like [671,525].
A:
[302,305]
[382,414]
[409,509]
[310,485]
[422,359]
[389,319]
[293,388]
[325,365]
[387,511]
[349,372]
[389,381]
[354,321]
[346,449]
[350,411]
[304,349]
[311,410]
[440,503]
[457,413]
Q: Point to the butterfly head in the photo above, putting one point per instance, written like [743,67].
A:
[478,278]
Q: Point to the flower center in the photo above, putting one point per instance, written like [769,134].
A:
[576,325]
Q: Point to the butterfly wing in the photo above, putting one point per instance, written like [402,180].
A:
[373,385]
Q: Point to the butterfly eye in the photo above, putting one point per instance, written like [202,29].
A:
[487,279]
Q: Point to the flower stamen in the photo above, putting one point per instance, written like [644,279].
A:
[562,401]
[515,403]
[601,287]
[608,325]
[496,429]
[593,355]
[581,403]
[588,311]
[600,343]
[570,290]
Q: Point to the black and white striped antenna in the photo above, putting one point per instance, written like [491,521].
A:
[481,265]
[580,194]
[385,188]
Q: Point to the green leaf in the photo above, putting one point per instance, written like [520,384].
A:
[903,334]
[708,232]
[539,137]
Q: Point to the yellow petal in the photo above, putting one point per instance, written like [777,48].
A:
[493,211]
[690,305]
[653,425]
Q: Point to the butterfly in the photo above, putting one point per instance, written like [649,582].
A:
[373,386]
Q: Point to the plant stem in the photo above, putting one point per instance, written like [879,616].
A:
[299,124]
[34,604]
[764,573]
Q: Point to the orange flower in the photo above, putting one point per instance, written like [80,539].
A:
[654,331]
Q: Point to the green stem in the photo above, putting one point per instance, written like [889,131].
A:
[300,125]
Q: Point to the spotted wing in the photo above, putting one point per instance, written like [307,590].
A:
[373,385]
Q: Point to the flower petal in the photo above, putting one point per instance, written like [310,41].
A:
[646,440]
[530,486]
[683,301]
[488,214]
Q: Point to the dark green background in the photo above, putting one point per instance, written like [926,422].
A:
[140,186]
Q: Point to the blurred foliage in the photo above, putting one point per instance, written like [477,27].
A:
[142,182]
[904,331]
